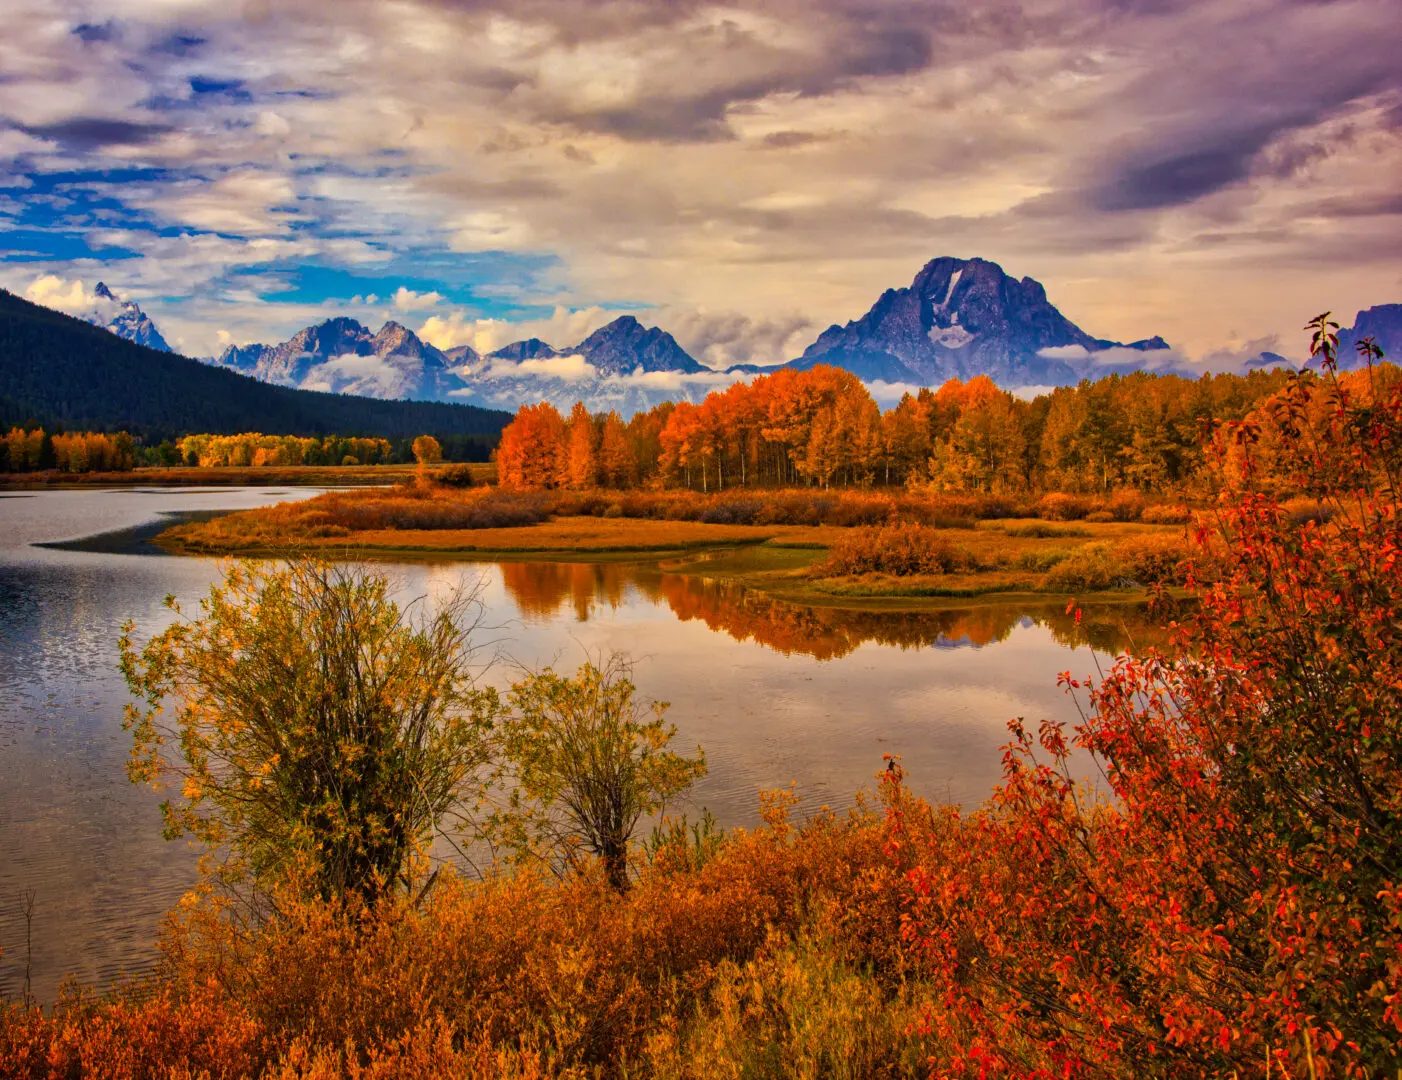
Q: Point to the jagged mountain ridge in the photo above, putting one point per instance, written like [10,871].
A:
[958,318]
[342,356]
[128,321]
[622,365]
[964,317]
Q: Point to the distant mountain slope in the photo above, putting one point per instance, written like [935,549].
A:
[125,319]
[1383,324]
[624,366]
[60,370]
[343,357]
[965,317]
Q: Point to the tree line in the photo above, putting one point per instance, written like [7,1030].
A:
[32,448]
[823,428]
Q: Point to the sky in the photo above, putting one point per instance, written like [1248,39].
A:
[742,175]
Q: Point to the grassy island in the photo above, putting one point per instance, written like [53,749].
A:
[854,548]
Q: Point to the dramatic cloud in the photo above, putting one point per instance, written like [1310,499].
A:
[72,297]
[741,174]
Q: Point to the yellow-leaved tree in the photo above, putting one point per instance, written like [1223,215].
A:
[317,735]
[581,763]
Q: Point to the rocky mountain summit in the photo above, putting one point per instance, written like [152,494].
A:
[125,319]
[623,365]
[342,356]
[965,317]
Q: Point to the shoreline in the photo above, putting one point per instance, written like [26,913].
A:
[772,561]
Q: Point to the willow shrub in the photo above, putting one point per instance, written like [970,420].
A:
[312,729]
[581,762]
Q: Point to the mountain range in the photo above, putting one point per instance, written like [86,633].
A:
[957,319]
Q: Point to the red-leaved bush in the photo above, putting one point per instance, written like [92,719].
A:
[1229,905]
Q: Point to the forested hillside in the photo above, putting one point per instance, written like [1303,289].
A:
[64,373]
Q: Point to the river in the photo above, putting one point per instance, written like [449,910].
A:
[774,693]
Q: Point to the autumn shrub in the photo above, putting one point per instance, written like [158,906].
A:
[899,550]
[421,506]
[796,1010]
[580,763]
[1123,505]
[1040,530]
[733,512]
[1059,506]
[1040,561]
[1088,568]
[1152,558]
[1165,514]
[524,975]
[455,476]
[1228,905]
[314,731]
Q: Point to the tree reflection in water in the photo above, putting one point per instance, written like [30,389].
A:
[541,589]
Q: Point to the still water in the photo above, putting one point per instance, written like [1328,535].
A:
[774,693]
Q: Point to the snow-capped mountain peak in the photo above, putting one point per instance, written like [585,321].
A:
[125,319]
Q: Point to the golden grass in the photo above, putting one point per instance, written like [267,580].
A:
[566,534]
[995,559]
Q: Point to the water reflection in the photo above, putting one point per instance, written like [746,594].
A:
[545,590]
[776,693]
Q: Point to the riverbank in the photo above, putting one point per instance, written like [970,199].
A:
[822,562]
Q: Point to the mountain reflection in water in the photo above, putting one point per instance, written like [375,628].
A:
[541,590]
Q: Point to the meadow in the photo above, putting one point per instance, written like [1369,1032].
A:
[796,542]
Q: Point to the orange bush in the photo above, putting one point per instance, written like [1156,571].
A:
[899,550]
[1059,506]
[1165,514]
[513,976]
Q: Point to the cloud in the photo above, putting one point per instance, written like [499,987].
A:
[721,339]
[357,374]
[84,133]
[571,368]
[745,173]
[72,297]
[1065,352]
[408,300]
[676,380]
[244,203]
[562,328]
[1117,356]
[888,394]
